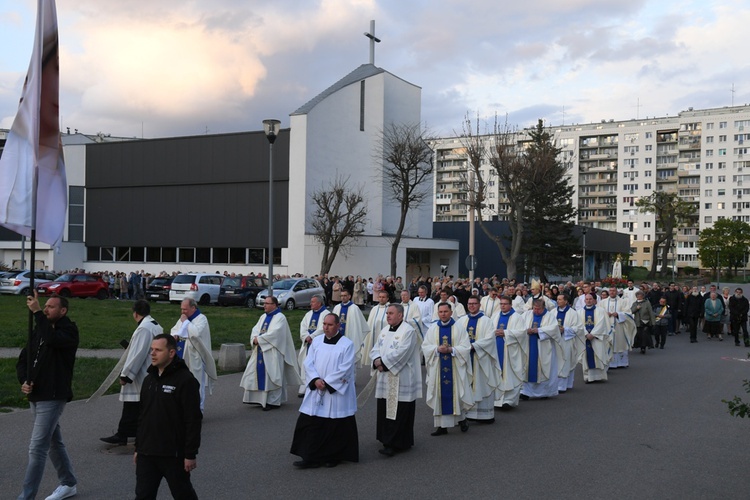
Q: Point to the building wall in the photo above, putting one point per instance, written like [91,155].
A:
[701,155]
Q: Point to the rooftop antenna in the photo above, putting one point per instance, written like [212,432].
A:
[373,41]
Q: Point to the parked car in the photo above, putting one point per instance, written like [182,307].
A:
[241,290]
[76,285]
[158,289]
[201,287]
[17,282]
[292,292]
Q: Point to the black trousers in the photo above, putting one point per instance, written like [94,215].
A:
[693,325]
[736,324]
[149,470]
[129,419]
[660,335]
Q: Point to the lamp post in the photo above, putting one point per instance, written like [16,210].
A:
[271,128]
[674,260]
[583,268]
[718,269]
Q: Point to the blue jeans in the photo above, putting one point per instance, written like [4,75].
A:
[46,438]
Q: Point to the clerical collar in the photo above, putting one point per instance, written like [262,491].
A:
[393,328]
[565,309]
[194,315]
[319,310]
[477,315]
[588,307]
[333,339]
[346,303]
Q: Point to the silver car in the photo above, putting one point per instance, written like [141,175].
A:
[17,282]
[292,292]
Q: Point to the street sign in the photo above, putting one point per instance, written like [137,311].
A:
[471,262]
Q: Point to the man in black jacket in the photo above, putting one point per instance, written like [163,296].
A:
[169,427]
[46,380]
[738,309]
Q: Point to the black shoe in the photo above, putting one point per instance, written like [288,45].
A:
[524,397]
[270,407]
[305,464]
[488,421]
[662,347]
[643,350]
[464,424]
[505,407]
[737,344]
[439,431]
[387,451]
[115,439]
[332,464]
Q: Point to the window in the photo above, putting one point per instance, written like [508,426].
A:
[649,135]
[646,224]
[708,219]
[709,179]
[722,124]
[708,206]
[647,173]
[722,152]
[722,138]
[709,126]
[721,205]
[709,152]
[648,147]
[709,193]
[646,249]
[721,192]
[709,139]
[646,186]
[722,178]
[722,165]
[75,213]
[649,160]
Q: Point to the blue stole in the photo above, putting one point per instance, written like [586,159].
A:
[342,317]
[589,325]
[500,341]
[314,322]
[471,329]
[534,349]
[181,342]
[260,366]
[446,368]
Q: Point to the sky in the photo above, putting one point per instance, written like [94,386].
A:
[162,68]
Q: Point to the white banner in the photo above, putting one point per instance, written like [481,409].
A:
[33,147]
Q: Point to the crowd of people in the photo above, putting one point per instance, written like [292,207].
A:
[485,344]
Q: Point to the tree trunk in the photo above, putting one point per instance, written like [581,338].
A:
[397,239]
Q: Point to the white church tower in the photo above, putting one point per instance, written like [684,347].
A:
[337,134]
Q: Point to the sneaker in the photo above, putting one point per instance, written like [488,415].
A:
[63,491]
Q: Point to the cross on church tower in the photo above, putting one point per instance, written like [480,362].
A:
[373,40]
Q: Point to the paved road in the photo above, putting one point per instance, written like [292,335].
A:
[655,430]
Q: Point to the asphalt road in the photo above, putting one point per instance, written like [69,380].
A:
[655,430]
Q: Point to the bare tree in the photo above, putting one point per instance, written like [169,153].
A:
[339,218]
[510,168]
[407,165]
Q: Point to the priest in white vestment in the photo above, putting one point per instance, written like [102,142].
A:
[310,327]
[598,343]
[537,294]
[352,322]
[194,336]
[412,315]
[570,343]
[376,321]
[273,362]
[628,294]
[326,430]
[447,353]
[510,332]
[484,362]
[457,310]
[426,306]
[395,359]
[490,303]
[540,352]
[621,326]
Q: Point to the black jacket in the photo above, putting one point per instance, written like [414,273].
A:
[170,420]
[53,355]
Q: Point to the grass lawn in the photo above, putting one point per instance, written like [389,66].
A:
[88,374]
[104,323]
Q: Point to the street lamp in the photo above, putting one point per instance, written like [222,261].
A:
[271,128]
[583,269]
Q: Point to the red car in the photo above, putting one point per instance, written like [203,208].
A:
[76,285]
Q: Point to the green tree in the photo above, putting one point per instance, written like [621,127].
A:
[550,212]
[724,244]
[670,211]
